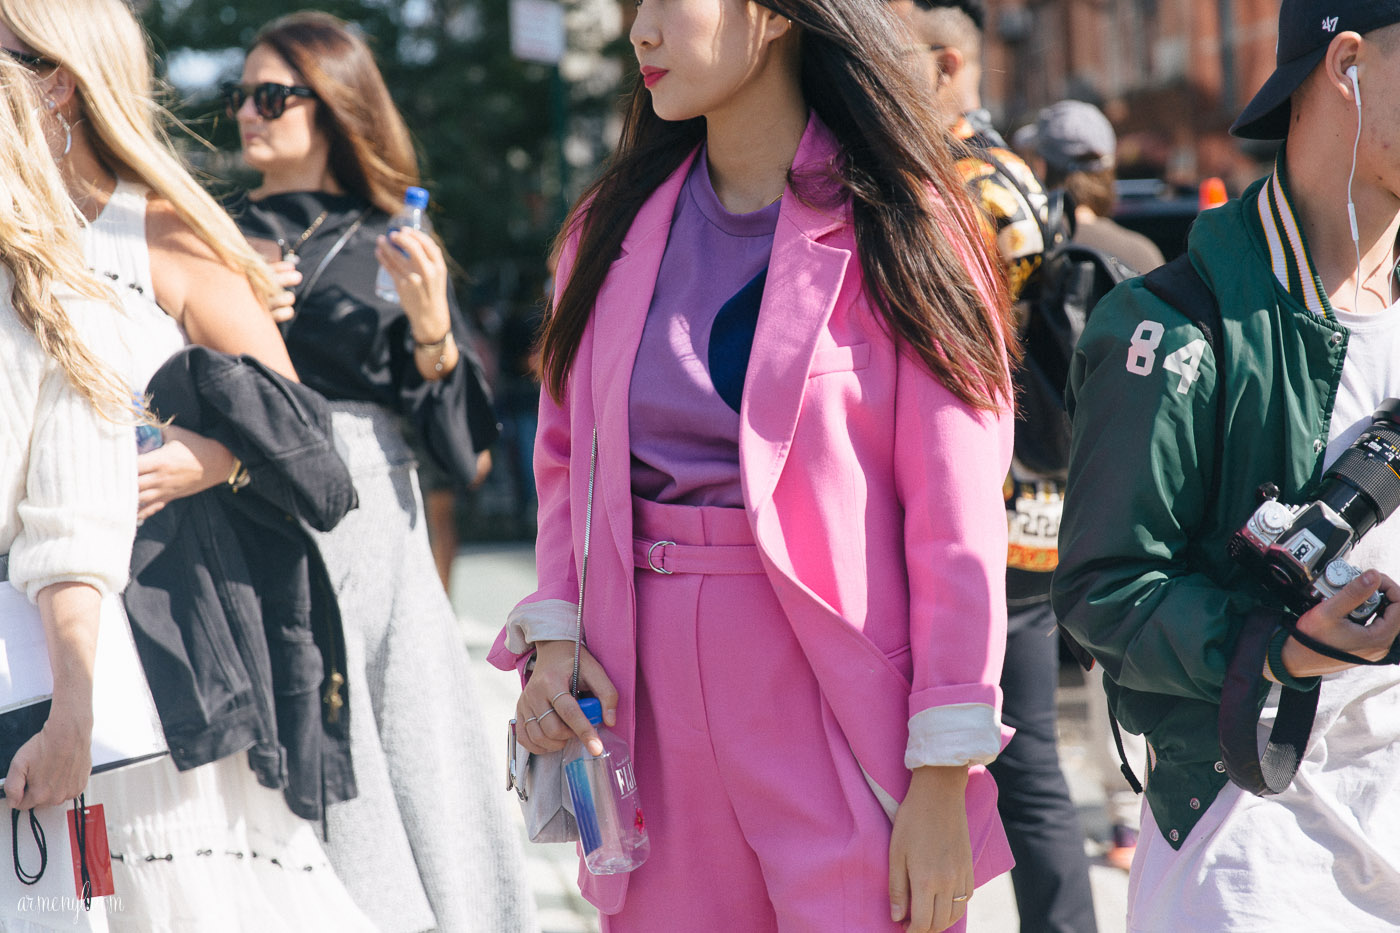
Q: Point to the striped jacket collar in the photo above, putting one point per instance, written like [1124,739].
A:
[1288,249]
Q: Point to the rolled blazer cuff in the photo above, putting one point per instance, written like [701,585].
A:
[546,620]
[961,734]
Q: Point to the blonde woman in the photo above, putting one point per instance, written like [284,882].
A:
[208,848]
[67,477]
[173,255]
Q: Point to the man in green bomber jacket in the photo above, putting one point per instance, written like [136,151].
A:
[1311,346]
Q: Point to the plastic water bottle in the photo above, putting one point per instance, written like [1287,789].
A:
[605,798]
[148,436]
[413,215]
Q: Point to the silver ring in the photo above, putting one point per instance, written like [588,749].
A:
[543,715]
[532,719]
[652,564]
[962,897]
[561,693]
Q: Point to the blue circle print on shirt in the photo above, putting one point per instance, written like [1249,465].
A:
[731,340]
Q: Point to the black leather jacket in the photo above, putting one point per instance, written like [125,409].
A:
[231,606]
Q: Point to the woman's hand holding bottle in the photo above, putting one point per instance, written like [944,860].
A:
[547,715]
[185,464]
[416,264]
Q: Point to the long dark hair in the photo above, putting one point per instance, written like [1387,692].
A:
[371,152]
[916,230]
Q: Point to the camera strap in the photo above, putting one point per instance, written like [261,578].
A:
[1241,696]
[1238,720]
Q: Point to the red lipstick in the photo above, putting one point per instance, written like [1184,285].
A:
[652,75]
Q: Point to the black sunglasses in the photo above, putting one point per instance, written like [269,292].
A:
[24,58]
[269,99]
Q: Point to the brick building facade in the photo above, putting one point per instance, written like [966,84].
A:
[1170,74]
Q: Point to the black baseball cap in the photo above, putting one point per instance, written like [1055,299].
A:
[1305,29]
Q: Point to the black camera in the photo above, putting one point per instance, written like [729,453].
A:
[1298,551]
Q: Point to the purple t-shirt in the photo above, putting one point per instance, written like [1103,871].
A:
[688,378]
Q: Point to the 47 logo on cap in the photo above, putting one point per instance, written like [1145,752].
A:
[1329,23]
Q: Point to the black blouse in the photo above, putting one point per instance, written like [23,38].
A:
[349,344]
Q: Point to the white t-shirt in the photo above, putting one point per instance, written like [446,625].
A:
[1324,855]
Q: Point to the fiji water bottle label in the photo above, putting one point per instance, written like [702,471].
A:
[625,777]
[629,802]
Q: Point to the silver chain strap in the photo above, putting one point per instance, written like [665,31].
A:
[583,565]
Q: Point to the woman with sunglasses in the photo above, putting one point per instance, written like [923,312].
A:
[778,328]
[426,843]
[181,272]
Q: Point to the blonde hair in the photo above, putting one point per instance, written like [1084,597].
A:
[39,245]
[108,54]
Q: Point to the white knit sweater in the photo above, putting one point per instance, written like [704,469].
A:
[67,475]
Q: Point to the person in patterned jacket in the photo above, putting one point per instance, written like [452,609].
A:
[1051,876]
[1008,191]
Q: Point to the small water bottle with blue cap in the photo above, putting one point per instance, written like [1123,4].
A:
[414,216]
[606,802]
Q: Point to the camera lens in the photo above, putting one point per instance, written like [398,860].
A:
[1363,485]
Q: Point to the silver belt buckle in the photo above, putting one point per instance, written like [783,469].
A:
[652,563]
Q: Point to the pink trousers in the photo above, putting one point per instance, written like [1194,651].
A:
[759,817]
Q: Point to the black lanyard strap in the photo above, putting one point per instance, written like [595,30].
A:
[38,831]
[80,833]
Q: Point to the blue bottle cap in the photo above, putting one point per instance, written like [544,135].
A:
[592,708]
[416,197]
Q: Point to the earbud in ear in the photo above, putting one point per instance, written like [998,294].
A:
[49,104]
[1351,206]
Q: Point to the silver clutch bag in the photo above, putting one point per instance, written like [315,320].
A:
[538,780]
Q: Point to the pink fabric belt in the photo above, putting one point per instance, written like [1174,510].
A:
[667,557]
[671,538]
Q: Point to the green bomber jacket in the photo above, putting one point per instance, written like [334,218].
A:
[1144,581]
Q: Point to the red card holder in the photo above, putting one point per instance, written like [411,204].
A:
[93,850]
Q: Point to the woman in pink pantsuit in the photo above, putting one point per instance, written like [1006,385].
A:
[794,610]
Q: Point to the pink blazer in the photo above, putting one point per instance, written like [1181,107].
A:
[875,497]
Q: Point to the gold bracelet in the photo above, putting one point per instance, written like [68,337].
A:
[238,477]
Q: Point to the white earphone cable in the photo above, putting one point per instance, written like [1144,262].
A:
[1351,207]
